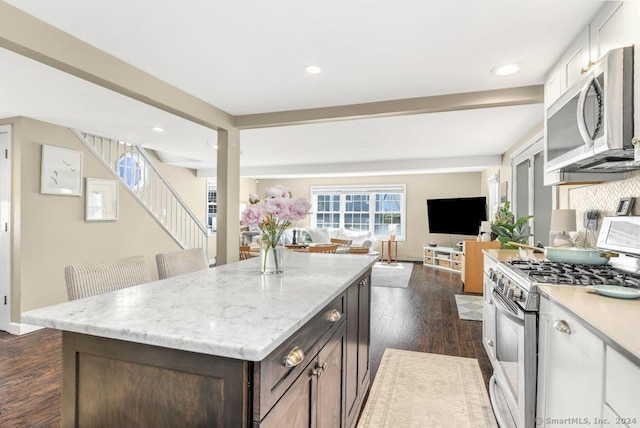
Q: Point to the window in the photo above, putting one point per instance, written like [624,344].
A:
[356,212]
[328,211]
[212,205]
[388,210]
[360,208]
[133,170]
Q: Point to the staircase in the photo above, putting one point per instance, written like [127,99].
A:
[134,169]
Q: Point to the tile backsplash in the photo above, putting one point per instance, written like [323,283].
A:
[604,197]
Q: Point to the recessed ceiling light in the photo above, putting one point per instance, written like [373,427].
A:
[158,129]
[312,69]
[505,70]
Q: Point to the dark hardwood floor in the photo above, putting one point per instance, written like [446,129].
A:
[30,379]
[422,317]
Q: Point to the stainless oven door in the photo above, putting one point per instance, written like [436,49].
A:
[515,358]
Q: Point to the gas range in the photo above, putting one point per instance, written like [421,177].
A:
[517,280]
[511,303]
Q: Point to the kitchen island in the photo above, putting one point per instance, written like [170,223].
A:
[221,347]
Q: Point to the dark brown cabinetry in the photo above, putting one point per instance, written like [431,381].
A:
[317,378]
[315,397]
[357,361]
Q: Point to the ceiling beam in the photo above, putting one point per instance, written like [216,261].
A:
[28,36]
[434,104]
[360,169]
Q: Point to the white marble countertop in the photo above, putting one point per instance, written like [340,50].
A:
[230,311]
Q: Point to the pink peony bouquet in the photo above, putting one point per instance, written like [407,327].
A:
[273,215]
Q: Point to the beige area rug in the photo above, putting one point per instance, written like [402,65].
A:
[417,389]
[395,275]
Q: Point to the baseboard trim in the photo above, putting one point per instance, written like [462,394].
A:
[20,329]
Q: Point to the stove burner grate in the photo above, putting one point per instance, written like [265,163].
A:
[546,272]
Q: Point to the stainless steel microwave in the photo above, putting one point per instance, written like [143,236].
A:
[590,127]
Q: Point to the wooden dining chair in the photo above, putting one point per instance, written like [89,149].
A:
[358,250]
[245,252]
[88,279]
[323,248]
[180,262]
[341,242]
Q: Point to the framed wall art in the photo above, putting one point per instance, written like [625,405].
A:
[101,199]
[61,171]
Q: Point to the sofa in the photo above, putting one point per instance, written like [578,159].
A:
[358,238]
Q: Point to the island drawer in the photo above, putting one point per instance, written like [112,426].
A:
[272,377]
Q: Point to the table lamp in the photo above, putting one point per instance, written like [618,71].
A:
[485,229]
[563,221]
[392,232]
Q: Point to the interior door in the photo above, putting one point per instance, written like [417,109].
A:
[5,234]
[530,195]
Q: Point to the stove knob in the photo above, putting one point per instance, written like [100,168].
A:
[518,295]
[510,293]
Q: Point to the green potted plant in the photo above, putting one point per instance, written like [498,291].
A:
[507,229]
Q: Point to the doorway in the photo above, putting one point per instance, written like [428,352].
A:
[530,195]
[5,234]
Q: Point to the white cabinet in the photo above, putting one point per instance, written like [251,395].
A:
[488,319]
[552,85]
[445,258]
[575,60]
[622,402]
[570,369]
[612,27]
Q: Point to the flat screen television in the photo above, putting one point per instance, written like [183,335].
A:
[456,216]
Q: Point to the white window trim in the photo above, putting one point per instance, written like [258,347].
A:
[383,188]
[210,183]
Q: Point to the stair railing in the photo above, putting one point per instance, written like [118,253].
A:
[131,165]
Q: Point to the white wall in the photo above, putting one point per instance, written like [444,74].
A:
[49,231]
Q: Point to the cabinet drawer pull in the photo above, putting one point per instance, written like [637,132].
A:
[318,369]
[562,326]
[334,315]
[489,342]
[294,357]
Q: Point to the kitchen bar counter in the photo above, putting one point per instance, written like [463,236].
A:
[225,346]
[230,311]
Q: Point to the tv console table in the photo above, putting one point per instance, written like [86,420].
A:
[445,258]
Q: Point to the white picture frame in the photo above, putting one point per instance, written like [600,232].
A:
[61,171]
[101,199]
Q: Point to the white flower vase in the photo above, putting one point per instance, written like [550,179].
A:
[271,253]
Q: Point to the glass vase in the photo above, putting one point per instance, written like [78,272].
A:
[271,253]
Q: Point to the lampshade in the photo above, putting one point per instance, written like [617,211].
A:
[485,226]
[563,221]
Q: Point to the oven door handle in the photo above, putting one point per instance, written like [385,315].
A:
[502,307]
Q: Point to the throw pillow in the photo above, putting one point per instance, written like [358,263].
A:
[319,236]
[357,237]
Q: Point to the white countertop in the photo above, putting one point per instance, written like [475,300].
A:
[230,311]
